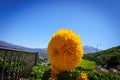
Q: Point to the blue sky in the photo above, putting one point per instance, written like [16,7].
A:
[32,23]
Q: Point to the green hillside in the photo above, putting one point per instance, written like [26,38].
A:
[105,57]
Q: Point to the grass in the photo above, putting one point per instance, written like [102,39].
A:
[86,64]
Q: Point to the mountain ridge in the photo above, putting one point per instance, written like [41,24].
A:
[87,49]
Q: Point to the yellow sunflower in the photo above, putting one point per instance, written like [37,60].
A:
[83,76]
[65,50]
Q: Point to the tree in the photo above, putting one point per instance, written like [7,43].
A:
[114,61]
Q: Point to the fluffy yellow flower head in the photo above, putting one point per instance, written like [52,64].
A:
[83,76]
[65,50]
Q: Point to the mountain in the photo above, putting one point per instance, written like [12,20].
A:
[17,47]
[104,57]
[90,49]
[87,49]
